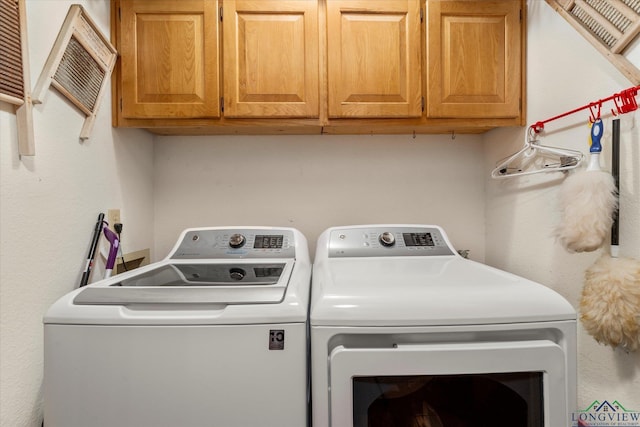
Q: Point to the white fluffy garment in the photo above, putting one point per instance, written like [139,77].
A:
[610,302]
[587,201]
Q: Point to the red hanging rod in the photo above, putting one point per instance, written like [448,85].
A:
[624,101]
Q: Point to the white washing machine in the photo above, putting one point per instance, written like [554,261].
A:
[216,334]
[406,332]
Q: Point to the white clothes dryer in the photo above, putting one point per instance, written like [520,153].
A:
[406,332]
[216,334]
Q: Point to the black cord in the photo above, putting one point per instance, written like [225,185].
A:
[118,228]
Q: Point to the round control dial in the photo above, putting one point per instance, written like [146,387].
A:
[387,239]
[237,273]
[237,240]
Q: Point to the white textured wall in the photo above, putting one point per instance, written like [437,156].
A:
[564,72]
[48,203]
[48,207]
[314,182]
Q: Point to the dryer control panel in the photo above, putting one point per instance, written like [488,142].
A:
[215,243]
[374,241]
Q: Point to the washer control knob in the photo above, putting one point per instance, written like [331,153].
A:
[237,273]
[237,240]
[387,239]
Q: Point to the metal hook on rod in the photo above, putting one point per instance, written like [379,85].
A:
[592,108]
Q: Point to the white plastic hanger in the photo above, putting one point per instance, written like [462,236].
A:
[536,158]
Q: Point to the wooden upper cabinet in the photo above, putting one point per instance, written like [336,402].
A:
[271,58]
[318,66]
[374,55]
[169,58]
[474,57]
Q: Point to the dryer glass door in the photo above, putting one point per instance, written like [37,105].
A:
[497,400]
[514,384]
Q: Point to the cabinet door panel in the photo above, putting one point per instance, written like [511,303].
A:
[474,59]
[169,57]
[374,58]
[271,58]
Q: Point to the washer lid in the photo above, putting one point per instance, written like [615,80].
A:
[423,291]
[195,283]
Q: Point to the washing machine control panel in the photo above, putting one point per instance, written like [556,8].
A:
[235,243]
[388,241]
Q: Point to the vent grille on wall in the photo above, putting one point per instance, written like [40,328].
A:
[11,81]
[614,23]
[610,25]
[80,75]
[79,65]
[15,81]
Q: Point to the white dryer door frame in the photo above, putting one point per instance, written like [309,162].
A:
[450,359]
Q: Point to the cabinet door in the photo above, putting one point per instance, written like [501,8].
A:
[271,58]
[169,54]
[474,58]
[374,58]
